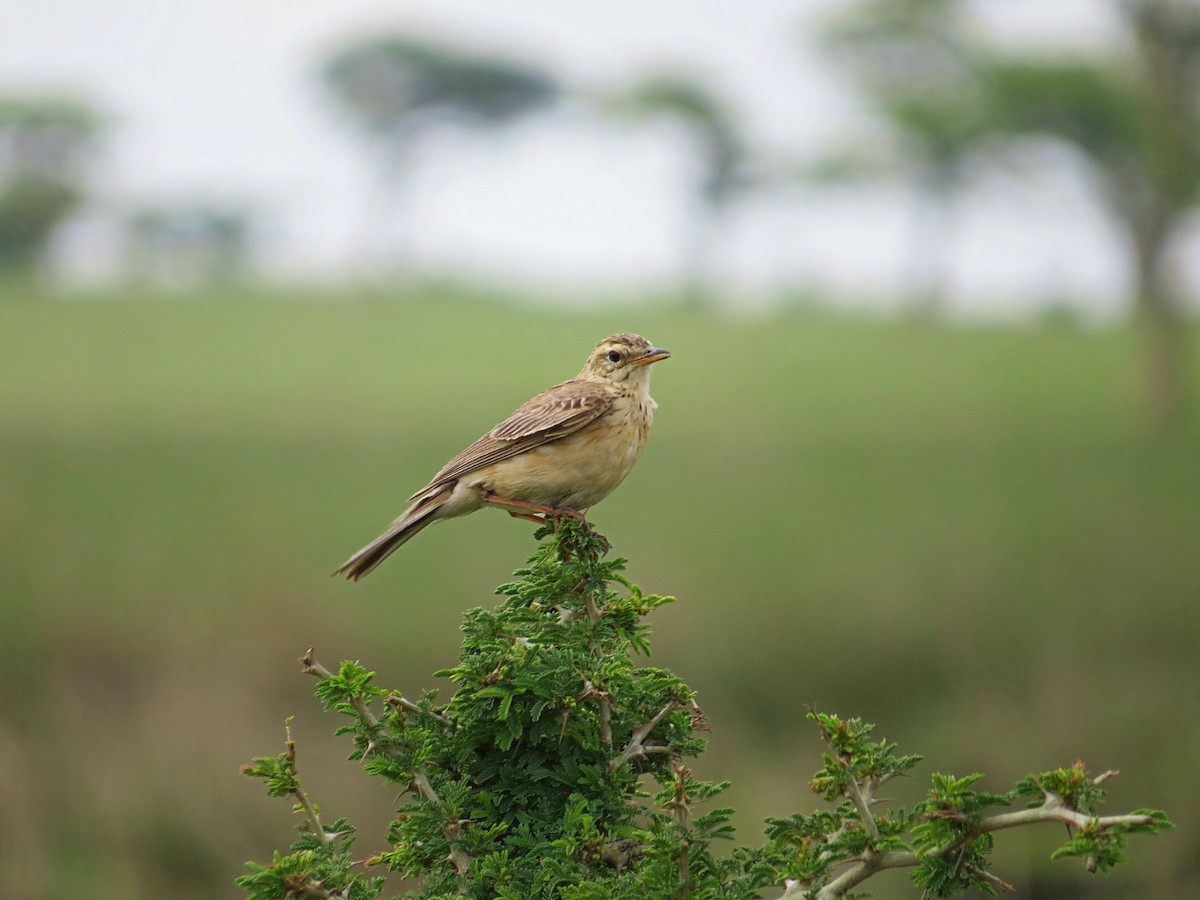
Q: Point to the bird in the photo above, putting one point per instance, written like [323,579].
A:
[556,456]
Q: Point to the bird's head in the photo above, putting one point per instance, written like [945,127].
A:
[622,358]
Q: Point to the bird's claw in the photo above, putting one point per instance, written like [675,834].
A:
[546,515]
[557,514]
[555,517]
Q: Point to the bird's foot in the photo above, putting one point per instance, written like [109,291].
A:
[545,515]
[518,509]
[602,539]
[556,516]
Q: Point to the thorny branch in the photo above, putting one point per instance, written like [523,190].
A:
[302,799]
[636,746]
[872,861]
[312,667]
[408,706]
[420,781]
[591,692]
[861,802]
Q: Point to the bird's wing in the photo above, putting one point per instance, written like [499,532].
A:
[563,409]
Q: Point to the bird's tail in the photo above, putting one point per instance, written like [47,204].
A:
[416,517]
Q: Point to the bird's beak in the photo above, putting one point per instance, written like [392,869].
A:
[653,355]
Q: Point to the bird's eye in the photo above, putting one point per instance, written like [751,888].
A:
[614,356]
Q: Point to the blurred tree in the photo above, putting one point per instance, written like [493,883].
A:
[396,89]
[1132,116]
[44,146]
[911,61]
[1137,123]
[721,150]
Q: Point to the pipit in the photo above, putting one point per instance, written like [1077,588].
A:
[558,455]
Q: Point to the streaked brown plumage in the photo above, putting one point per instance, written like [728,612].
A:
[560,454]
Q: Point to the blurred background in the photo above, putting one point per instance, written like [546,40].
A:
[927,450]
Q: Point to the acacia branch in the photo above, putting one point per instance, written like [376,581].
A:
[1052,810]
[589,605]
[995,881]
[861,803]
[312,667]
[590,692]
[311,812]
[459,858]
[682,815]
[605,721]
[862,870]
[302,799]
[420,780]
[423,786]
[636,746]
[408,706]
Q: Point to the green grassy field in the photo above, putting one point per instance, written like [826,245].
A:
[966,536]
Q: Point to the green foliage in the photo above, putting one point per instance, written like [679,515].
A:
[533,780]
[320,864]
[279,772]
[313,869]
[1102,848]
[855,758]
[529,780]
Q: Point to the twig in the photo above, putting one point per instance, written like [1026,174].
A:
[420,780]
[459,858]
[860,872]
[605,720]
[683,867]
[636,747]
[312,667]
[408,706]
[1054,811]
[682,814]
[298,792]
[994,880]
[860,803]
[1051,811]
[424,787]
[313,819]
[591,692]
[589,605]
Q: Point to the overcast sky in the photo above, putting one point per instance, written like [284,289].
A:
[220,99]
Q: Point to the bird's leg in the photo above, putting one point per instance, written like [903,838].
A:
[535,512]
[591,532]
[528,517]
[518,509]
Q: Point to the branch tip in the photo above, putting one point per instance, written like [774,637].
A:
[310,666]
